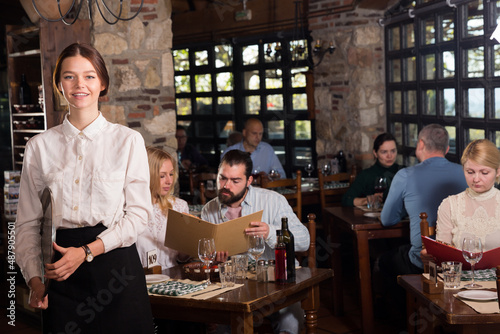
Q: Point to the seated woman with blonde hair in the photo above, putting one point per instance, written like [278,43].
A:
[476,211]
[163,177]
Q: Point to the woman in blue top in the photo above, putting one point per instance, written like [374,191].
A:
[385,152]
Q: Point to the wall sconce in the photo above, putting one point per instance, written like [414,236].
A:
[319,51]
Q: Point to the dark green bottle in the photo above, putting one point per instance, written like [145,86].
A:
[290,250]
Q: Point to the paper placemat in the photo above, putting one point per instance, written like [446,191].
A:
[481,307]
[485,284]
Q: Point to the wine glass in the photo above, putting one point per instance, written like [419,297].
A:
[256,246]
[255,174]
[207,253]
[327,168]
[472,250]
[380,185]
[273,174]
[309,169]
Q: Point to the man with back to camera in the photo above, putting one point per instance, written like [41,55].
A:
[236,198]
[416,189]
[263,156]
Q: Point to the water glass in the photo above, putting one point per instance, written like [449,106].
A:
[452,273]
[227,274]
[240,263]
[372,202]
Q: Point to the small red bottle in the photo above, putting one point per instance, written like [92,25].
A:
[280,255]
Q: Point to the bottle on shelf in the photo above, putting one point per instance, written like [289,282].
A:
[342,162]
[289,241]
[24,91]
[280,258]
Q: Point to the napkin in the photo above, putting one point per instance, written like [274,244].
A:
[482,307]
[480,275]
[175,288]
[335,185]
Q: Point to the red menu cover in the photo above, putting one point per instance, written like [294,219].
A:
[442,253]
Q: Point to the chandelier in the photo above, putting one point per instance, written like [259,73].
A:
[76,8]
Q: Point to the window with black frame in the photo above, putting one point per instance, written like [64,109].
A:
[219,86]
[442,67]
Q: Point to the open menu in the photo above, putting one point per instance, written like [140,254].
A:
[184,231]
[443,252]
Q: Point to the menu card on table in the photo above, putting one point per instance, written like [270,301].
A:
[184,231]
[443,252]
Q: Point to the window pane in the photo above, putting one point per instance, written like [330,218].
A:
[224,128]
[299,77]
[201,58]
[475,97]
[452,133]
[272,52]
[430,102]
[473,134]
[250,54]
[411,69]
[182,84]
[181,59]
[183,106]
[430,32]
[303,130]
[276,129]
[299,101]
[396,102]
[409,40]
[475,62]
[298,49]
[395,38]
[225,105]
[430,67]
[411,102]
[203,82]
[186,125]
[224,81]
[395,70]
[275,102]
[448,26]
[280,153]
[398,132]
[497,103]
[203,129]
[252,104]
[203,106]
[497,139]
[412,135]
[252,80]
[302,156]
[475,18]
[448,64]
[223,55]
[449,101]
[273,79]
[496,59]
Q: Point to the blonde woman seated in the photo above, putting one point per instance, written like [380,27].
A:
[476,211]
[163,177]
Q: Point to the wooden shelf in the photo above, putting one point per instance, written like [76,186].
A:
[25,53]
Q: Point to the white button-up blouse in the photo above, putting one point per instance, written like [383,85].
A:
[98,175]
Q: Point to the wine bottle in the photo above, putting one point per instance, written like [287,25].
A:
[280,257]
[342,162]
[24,91]
[290,250]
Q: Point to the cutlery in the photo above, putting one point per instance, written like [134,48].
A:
[202,293]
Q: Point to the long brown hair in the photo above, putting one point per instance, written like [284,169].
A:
[156,158]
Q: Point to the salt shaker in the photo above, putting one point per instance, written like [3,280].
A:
[261,271]
[270,270]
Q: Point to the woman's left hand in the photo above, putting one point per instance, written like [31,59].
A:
[71,259]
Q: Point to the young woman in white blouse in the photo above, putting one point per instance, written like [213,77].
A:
[163,177]
[98,174]
[476,211]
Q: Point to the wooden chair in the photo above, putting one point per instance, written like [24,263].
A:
[310,254]
[333,196]
[197,183]
[291,189]
[426,231]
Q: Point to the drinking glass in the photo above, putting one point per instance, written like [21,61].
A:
[255,174]
[327,168]
[309,169]
[380,185]
[207,253]
[256,246]
[472,250]
[273,174]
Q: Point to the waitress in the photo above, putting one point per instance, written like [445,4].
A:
[385,152]
[99,177]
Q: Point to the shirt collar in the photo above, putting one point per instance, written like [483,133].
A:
[70,131]
[247,202]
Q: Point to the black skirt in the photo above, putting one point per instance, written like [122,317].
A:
[107,295]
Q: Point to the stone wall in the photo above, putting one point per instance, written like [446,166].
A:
[139,60]
[350,84]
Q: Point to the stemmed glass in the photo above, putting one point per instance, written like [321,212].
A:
[207,253]
[327,168]
[256,246]
[380,185]
[309,169]
[273,174]
[472,250]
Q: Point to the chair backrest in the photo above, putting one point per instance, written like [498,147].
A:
[197,183]
[426,231]
[290,188]
[310,254]
[332,187]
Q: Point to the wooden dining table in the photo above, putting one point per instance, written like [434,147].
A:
[362,229]
[246,305]
[443,312]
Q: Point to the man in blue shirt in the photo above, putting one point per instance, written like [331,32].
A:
[263,156]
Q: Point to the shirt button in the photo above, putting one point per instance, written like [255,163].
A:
[80,157]
[77,181]
[75,208]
